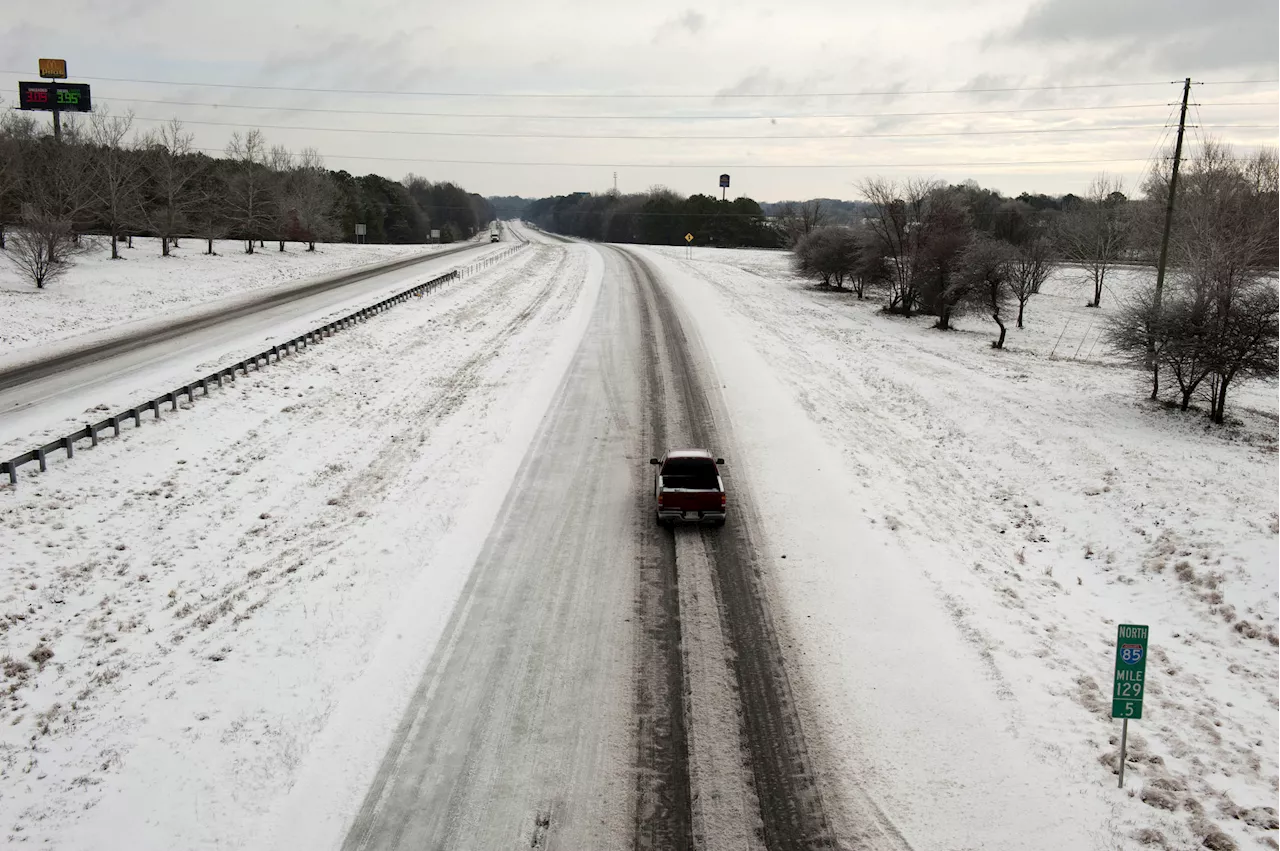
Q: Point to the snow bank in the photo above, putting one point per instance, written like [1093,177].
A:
[963,530]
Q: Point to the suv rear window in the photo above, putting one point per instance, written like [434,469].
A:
[690,473]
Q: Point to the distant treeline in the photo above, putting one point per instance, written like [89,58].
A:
[658,217]
[102,179]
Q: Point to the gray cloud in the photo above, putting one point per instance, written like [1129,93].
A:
[1165,35]
[688,21]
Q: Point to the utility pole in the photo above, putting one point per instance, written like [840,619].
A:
[615,183]
[1173,192]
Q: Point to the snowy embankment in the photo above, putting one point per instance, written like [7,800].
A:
[963,529]
[210,611]
[98,293]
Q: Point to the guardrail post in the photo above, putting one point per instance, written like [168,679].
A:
[67,444]
[171,398]
[137,416]
[93,433]
[12,470]
[44,465]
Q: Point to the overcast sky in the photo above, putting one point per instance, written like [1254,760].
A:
[657,72]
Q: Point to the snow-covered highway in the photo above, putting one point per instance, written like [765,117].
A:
[406,591]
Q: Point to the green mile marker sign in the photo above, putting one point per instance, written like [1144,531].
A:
[1131,672]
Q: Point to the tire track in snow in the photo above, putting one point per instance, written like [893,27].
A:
[774,750]
[663,809]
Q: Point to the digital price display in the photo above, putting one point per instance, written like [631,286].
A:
[63,97]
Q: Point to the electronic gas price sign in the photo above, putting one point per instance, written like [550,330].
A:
[60,97]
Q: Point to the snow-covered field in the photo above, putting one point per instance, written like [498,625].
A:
[98,292]
[963,530]
[179,624]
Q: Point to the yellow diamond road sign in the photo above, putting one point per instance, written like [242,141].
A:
[688,237]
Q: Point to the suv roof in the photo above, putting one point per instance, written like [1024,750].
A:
[688,453]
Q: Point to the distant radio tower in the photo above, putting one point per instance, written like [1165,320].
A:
[615,183]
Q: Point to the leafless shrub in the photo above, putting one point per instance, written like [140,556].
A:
[41,654]
[840,254]
[42,248]
[1150,836]
[1216,840]
[1247,629]
[14,668]
[1158,798]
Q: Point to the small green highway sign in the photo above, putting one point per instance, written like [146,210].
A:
[1131,672]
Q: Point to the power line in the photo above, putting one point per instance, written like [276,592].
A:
[620,95]
[541,117]
[669,137]
[611,165]
[1230,82]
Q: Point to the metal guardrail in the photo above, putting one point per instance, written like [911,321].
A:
[93,431]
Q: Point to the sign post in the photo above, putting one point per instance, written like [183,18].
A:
[54,97]
[362,231]
[1130,681]
[688,238]
[724,186]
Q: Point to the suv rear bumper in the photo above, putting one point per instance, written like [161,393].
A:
[676,516]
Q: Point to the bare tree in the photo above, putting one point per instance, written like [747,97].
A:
[800,220]
[55,183]
[1029,268]
[42,247]
[313,199]
[985,271]
[869,270]
[116,175]
[1095,231]
[10,180]
[249,191]
[173,172]
[1225,254]
[283,184]
[1217,322]
[943,235]
[896,229]
[1244,346]
[16,131]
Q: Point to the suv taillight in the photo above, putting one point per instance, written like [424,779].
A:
[722,500]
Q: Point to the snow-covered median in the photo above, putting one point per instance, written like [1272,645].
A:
[188,610]
[98,292]
[962,530]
